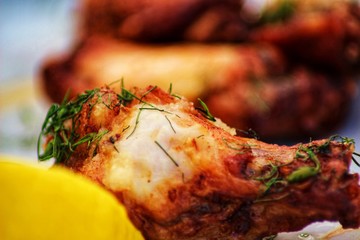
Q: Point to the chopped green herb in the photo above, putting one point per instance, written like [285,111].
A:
[63,139]
[136,123]
[147,92]
[170,89]
[171,93]
[236,148]
[125,96]
[272,178]
[205,111]
[90,138]
[172,127]
[138,115]
[305,172]
[302,173]
[167,154]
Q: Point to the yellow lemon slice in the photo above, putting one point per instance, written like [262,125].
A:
[37,203]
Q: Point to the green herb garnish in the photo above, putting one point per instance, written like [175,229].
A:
[205,110]
[303,173]
[63,138]
[136,123]
[90,138]
[167,154]
[272,177]
[236,148]
[172,127]
[171,93]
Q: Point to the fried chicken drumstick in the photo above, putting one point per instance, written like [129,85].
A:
[183,174]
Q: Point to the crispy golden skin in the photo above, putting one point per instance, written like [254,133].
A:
[183,176]
[248,86]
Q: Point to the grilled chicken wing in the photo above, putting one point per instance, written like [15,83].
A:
[182,174]
[248,86]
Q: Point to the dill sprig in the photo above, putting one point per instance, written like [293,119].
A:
[128,96]
[63,138]
[137,120]
[205,111]
[171,93]
[172,127]
[142,108]
[90,138]
[167,154]
[61,122]
[272,177]
[239,147]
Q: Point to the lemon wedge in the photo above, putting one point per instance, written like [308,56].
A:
[38,203]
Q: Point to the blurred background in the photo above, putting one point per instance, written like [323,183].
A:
[33,30]
[29,31]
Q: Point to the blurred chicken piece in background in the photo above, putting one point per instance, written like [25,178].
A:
[247,86]
[159,20]
[321,34]
[287,70]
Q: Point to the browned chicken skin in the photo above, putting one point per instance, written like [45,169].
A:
[181,174]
